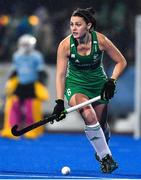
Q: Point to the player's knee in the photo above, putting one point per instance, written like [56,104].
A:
[88,115]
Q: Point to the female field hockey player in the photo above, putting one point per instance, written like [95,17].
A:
[81,76]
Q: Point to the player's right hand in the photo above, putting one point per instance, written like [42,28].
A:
[108,89]
[59,110]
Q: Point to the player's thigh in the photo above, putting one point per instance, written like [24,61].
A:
[77,99]
[80,98]
[87,112]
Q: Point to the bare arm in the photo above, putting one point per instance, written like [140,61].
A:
[115,55]
[62,61]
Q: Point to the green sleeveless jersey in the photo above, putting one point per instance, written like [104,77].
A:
[85,74]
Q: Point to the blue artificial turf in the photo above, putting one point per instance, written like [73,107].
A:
[46,156]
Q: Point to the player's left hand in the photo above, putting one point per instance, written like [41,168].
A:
[108,89]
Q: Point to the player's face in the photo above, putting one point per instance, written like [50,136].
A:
[78,27]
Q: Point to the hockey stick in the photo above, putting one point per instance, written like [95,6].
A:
[17,132]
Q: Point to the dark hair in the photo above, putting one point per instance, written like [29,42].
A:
[87,14]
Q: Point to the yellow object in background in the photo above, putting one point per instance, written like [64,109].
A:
[6,131]
[37,114]
[11,85]
[41,91]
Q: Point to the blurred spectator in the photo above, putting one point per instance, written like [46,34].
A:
[25,88]
[44,32]
[23,27]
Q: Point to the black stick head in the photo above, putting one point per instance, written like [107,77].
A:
[14,130]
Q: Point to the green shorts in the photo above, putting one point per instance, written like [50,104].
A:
[90,93]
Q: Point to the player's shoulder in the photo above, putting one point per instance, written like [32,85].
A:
[36,53]
[16,54]
[100,36]
[102,40]
[65,43]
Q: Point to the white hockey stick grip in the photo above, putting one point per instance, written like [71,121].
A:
[78,106]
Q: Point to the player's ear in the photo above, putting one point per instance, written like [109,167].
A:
[89,25]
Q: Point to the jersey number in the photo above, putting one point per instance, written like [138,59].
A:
[69,92]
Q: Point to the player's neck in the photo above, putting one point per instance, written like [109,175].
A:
[85,39]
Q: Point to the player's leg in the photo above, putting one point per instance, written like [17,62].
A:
[101,112]
[94,133]
[102,115]
[12,115]
[33,113]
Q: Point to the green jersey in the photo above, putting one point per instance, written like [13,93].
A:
[85,74]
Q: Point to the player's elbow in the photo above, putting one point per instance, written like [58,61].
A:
[124,62]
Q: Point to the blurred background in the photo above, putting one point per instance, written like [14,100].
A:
[48,21]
